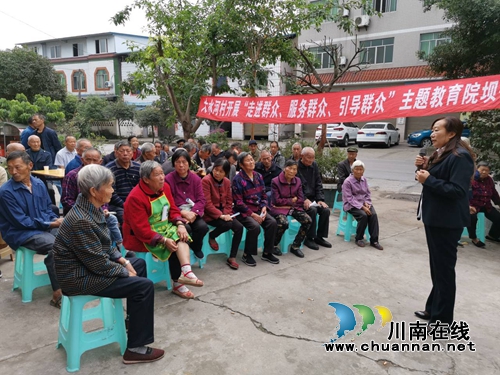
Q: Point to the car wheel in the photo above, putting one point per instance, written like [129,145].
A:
[388,144]
[345,141]
[426,142]
[360,145]
[397,143]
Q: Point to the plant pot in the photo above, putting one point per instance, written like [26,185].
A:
[330,190]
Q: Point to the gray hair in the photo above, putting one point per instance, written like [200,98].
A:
[121,144]
[91,149]
[16,146]
[297,144]
[206,148]
[33,137]
[80,141]
[307,150]
[147,146]
[188,146]
[148,167]
[358,163]
[93,176]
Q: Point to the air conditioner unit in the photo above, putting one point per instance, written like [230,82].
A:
[342,61]
[363,20]
[108,84]
[345,12]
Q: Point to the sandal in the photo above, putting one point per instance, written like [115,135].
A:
[213,244]
[57,303]
[189,281]
[185,295]
[232,263]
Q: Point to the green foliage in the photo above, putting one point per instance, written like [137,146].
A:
[218,136]
[119,110]
[150,116]
[327,163]
[69,106]
[90,110]
[24,71]
[286,150]
[485,138]
[475,32]
[19,110]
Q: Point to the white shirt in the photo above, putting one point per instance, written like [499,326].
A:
[64,156]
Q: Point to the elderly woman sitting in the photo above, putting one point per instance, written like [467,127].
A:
[86,264]
[152,222]
[287,198]
[483,192]
[357,201]
[188,195]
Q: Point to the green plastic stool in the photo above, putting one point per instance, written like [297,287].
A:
[338,204]
[156,269]
[347,225]
[224,240]
[289,235]
[75,340]
[480,231]
[28,275]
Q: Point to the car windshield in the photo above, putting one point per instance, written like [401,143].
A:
[374,126]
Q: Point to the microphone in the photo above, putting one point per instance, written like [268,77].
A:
[422,153]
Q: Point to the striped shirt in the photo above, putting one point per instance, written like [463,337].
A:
[125,180]
[85,262]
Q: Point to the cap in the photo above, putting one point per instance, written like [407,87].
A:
[181,140]
[352,149]
[252,142]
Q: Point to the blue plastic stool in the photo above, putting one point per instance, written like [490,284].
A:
[289,235]
[157,270]
[75,340]
[338,205]
[224,240]
[347,225]
[27,274]
[480,232]
[260,240]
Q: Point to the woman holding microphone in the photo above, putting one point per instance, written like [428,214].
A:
[444,208]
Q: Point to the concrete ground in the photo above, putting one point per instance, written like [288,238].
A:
[274,319]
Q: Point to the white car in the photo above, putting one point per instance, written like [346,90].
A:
[378,133]
[340,133]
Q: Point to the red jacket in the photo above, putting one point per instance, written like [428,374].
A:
[217,196]
[137,210]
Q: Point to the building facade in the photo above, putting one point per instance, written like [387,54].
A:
[392,49]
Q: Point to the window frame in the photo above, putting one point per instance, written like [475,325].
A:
[98,45]
[375,49]
[96,87]
[320,56]
[432,43]
[63,81]
[55,49]
[385,4]
[78,49]
[81,71]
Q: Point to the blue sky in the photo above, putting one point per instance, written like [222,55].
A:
[29,20]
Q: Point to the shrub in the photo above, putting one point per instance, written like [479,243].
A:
[218,136]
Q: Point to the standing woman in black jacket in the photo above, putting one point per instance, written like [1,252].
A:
[445,179]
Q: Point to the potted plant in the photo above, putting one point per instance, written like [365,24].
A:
[327,164]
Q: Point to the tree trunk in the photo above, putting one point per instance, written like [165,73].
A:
[119,128]
[322,139]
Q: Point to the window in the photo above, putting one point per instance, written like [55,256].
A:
[101,46]
[34,49]
[61,76]
[78,81]
[78,49]
[377,51]
[55,52]
[101,76]
[321,3]
[384,6]
[322,57]
[430,40]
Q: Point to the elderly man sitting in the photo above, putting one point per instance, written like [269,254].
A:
[268,169]
[26,216]
[148,152]
[357,201]
[314,202]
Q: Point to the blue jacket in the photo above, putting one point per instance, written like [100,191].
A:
[50,142]
[73,164]
[25,135]
[40,159]
[24,214]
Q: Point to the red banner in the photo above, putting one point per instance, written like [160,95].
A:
[425,99]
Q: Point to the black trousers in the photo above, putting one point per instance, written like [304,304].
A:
[492,215]
[139,292]
[197,230]
[363,221]
[253,230]
[323,220]
[442,244]
[222,226]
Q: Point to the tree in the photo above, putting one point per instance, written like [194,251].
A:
[91,110]
[120,111]
[19,110]
[150,116]
[471,53]
[305,78]
[24,72]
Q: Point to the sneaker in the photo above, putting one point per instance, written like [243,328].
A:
[151,355]
[248,260]
[270,258]
[277,251]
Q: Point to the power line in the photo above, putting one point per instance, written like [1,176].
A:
[27,24]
